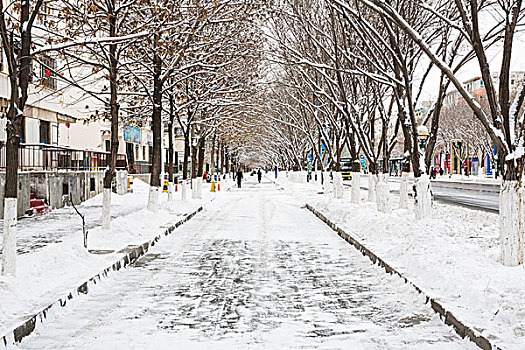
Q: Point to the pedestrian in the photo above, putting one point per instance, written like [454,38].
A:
[433,173]
[204,176]
[259,175]
[238,175]
[276,171]
[441,171]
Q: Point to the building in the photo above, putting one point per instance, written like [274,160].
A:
[476,87]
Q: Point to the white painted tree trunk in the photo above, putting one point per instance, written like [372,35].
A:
[383,194]
[422,197]
[194,194]
[403,191]
[372,181]
[327,184]
[153,198]
[106,208]
[356,187]
[122,186]
[511,223]
[9,237]
[171,187]
[182,188]
[199,188]
[338,185]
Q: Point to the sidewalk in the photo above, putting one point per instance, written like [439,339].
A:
[53,261]
[453,257]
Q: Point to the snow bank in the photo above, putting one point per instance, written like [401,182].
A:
[453,256]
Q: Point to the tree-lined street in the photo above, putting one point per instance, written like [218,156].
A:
[277,174]
[254,270]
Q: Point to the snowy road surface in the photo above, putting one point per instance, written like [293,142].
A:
[487,200]
[252,271]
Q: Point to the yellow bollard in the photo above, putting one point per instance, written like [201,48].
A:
[165,187]
[212,186]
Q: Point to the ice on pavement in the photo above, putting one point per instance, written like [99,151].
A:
[252,271]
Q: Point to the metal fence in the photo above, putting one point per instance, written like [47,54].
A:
[51,157]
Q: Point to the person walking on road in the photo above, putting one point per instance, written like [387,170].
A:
[259,175]
[276,171]
[238,175]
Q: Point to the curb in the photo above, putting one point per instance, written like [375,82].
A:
[446,316]
[131,254]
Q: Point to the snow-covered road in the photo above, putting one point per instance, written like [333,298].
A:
[254,270]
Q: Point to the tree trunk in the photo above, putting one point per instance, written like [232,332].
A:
[170,140]
[114,111]
[227,159]
[212,164]
[201,146]
[187,151]
[19,65]
[512,222]
[193,161]
[11,192]
[217,158]
[156,162]
[170,148]
[383,194]
[372,181]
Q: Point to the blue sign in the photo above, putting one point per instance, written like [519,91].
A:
[488,168]
[131,134]
[310,158]
[363,161]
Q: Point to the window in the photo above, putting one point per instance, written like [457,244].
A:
[45,135]
[143,152]
[108,146]
[47,73]
[91,184]
[54,134]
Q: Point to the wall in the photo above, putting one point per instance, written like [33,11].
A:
[51,186]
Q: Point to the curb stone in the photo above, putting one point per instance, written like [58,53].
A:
[131,254]
[446,316]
